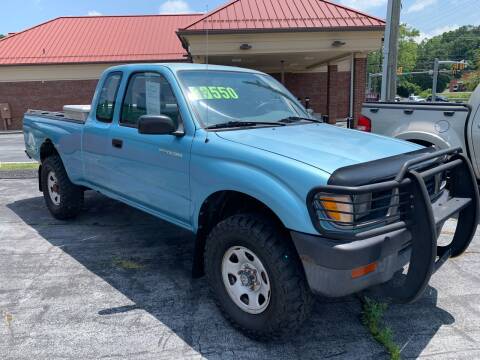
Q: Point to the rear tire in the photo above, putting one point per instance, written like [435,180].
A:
[255,253]
[64,200]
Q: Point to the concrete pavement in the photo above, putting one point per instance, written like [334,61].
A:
[115,283]
[12,148]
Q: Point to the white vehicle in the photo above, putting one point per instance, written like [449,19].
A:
[441,125]
[415,98]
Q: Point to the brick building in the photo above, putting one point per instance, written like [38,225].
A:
[315,47]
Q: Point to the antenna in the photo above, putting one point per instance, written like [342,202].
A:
[208,50]
[207,60]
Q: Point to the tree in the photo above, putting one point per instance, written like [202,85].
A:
[406,88]
[407,48]
[460,44]
[2,36]
[407,52]
[472,81]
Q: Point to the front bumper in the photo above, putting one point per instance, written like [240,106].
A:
[330,260]
[328,264]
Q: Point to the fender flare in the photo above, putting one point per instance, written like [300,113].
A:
[433,139]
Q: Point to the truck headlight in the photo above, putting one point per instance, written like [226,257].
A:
[337,207]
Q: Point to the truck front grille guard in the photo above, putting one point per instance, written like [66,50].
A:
[410,207]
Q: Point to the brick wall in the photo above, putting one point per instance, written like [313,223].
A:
[48,95]
[360,81]
[52,95]
[314,85]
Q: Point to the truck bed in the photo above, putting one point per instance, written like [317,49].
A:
[53,115]
[40,127]
[443,125]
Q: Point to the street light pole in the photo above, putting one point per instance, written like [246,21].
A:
[436,71]
[390,51]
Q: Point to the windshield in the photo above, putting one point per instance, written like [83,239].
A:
[220,97]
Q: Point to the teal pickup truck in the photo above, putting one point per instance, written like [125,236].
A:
[282,205]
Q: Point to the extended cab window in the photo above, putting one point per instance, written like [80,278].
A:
[108,94]
[148,93]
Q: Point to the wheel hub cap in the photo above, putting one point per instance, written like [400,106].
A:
[248,277]
[246,280]
[53,188]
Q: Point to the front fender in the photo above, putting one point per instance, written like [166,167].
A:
[286,202]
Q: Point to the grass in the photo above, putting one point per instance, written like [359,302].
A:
[372,318]
[457,95]
[18,166]
[127,264]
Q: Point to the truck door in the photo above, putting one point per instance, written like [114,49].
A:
[96,132]
[151,170]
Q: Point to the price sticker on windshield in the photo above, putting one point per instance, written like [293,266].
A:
[212,93]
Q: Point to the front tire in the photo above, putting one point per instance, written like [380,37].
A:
[256,277]
[64,200]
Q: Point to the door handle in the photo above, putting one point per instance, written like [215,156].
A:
[117,143]
[449,113]
[408,111]
[374,110]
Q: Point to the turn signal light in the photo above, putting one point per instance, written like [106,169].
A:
[364,124]
[364,270]
[338,207]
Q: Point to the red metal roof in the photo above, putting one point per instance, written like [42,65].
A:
[267,15]
[96,39]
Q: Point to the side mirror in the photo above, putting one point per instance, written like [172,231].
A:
[156,125]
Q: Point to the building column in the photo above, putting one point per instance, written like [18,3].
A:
[332,91]
[360,81]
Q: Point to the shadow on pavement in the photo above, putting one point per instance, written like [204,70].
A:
[149,262]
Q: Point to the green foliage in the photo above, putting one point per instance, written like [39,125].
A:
[406,88]
[372,318]
[2,36]
[407,48]
[425,93]
[458,96]
[473,81]
[460,44]
[407,56]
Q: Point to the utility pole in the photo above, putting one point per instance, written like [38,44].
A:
[390,51]
[436,65]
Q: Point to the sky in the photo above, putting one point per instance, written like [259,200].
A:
[431,17]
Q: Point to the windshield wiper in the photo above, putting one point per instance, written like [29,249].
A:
[233,124]
[292,119]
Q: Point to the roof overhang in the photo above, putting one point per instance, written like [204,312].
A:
[184,32]
[299,50]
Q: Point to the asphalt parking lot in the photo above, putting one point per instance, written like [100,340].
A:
[115,283]
[12,148]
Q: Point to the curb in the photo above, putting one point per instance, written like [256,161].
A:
[11,132]
[17,162]
[18,174]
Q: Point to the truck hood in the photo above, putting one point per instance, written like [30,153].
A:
[323,146]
